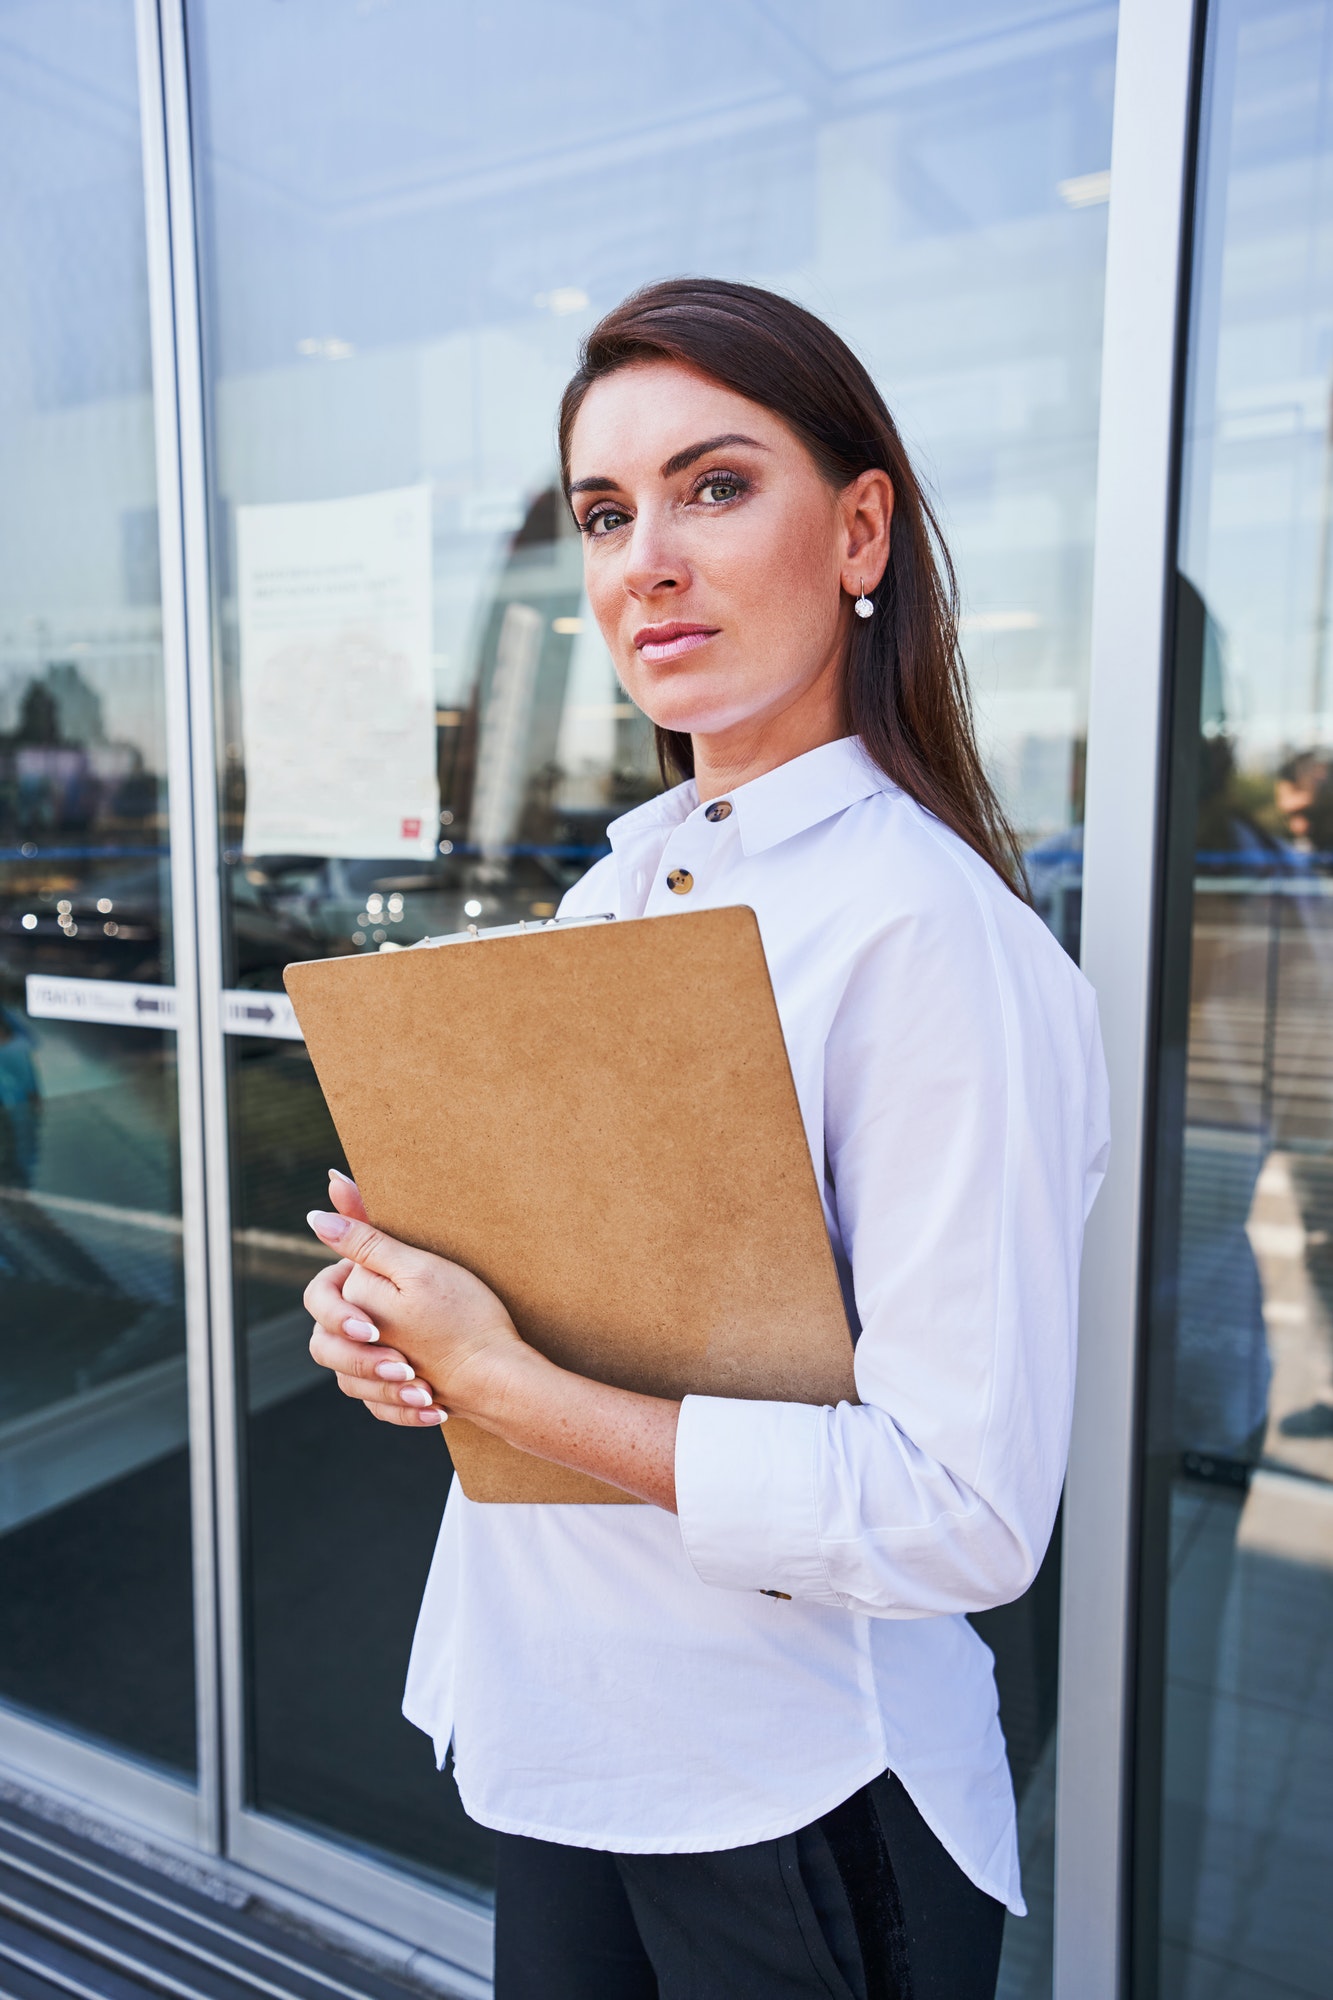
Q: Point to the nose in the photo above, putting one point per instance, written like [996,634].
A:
[652,564]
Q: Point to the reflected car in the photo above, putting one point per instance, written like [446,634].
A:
[335,905]
[109,924]
[101,920]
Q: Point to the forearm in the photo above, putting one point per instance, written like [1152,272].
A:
[615,1435]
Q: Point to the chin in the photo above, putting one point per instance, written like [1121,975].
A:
[688,722]
[691,697]
[691,712]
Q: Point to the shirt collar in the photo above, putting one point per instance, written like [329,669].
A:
[786,801]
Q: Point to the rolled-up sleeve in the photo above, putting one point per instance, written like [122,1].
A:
[965,1126]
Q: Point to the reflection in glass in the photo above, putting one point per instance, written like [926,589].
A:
[95,1612]
[411,215]
[1236,1732]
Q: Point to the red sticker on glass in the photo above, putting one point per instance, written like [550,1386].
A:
[411,829]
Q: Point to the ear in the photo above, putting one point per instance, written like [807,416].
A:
[866,505]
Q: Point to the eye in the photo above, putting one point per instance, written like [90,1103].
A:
[604,520]
[715,489]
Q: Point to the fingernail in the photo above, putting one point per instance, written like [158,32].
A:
[360,1329]
[395,1371]
[329,1228]
[418,1396]
[432,1416]
[346,1179]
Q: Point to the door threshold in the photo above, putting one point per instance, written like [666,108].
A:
[90,1907]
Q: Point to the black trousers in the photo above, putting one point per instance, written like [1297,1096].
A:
[863,1904]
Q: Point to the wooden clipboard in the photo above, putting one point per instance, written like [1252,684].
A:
[600,1120]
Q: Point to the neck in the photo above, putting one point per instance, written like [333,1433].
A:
[731,757]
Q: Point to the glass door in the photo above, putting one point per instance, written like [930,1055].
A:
[409,214]
[96,1631]
[1235,1735]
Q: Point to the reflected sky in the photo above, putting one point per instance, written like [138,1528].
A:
[1257,535]
[413,210]
[78,520]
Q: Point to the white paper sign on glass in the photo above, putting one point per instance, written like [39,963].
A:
[337,691]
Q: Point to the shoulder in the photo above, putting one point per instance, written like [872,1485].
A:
[920,885]
[901,864]
[594,892]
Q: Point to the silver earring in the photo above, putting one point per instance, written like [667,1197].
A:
[863,606]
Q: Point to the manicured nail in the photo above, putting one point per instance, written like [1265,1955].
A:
[346,1179]
[360,1329]
[432,1416]
[418,1396]
[395,1371]
[328,1228]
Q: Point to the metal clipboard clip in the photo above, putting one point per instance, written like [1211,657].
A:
[474,932]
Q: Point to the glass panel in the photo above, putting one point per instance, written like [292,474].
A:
[413,213]
[95,1604]
[1236,1738]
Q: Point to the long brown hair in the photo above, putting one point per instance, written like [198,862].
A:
[905,689]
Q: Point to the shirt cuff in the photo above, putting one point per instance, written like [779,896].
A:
[745,1495]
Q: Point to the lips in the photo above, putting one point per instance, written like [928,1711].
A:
[669,642]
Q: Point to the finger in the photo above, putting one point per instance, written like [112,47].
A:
[323,1296]
[326,1300]
[345,1196]
[390,1412]
[331,1349]
[344,1292]
[380,1405]
[404,1404]
[365,1245]
[373,1298]
[398,1395]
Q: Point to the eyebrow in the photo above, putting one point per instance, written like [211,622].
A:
[678,462]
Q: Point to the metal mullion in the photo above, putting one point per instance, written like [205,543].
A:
[1133,594]
[207,898]
[184,908]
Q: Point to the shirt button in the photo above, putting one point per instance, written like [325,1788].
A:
[720,809]
[680,881]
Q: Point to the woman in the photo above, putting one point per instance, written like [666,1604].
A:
[742,1740]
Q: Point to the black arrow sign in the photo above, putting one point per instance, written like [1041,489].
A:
[145,1006]
[257,1013]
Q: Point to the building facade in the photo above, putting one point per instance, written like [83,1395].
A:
[294,660]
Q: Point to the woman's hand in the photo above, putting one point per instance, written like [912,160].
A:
[451,1349]
[389,1315]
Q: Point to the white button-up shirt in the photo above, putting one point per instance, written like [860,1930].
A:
[615,1677]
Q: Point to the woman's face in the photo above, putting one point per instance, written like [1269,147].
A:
[718,559]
